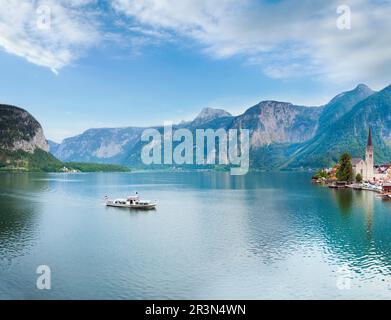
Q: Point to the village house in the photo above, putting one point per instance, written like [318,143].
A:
[383,172]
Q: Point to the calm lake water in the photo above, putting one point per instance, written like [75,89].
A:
[261,236]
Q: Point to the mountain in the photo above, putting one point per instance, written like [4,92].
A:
[53,146]
[19,130]
[272,122]
[100,145]
[350,132]
[209,114]
[118,145]
[282,135]
[342,104]
[23,146]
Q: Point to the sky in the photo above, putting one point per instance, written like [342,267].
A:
[80,64]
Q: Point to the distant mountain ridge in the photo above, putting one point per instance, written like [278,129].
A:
[107,145]
[209,114]
[115,145]
[269,122]
[282,135]
[53,146]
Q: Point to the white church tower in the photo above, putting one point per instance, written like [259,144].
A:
[369,161]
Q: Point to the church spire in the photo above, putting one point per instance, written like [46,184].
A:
[369,160]
[369,144]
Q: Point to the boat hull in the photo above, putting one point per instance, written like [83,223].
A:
[133,206]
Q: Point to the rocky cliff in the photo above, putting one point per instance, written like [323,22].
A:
[19,130]
[272,122]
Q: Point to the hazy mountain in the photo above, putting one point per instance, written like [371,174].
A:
[100,145]
[209,114]
[53,146]
[119,145]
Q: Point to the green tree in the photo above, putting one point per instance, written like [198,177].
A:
[345,170]
[321,174]
[358,178]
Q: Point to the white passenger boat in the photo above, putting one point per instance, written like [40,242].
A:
[372,187]
[132,202]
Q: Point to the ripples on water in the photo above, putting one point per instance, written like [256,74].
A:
[265,235]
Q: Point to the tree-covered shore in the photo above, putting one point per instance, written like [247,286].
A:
[41,161]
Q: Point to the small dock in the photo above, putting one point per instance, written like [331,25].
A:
[338,185]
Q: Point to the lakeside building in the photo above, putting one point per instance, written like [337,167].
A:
[366,167]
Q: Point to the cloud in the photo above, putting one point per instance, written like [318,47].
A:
[48,33]
[285,38]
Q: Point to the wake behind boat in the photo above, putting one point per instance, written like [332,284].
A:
[132,202]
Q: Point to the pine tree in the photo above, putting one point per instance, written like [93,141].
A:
[358,178]
[345,170]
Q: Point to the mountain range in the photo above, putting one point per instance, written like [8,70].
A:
[282,135]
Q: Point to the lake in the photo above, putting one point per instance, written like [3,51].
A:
[213,236]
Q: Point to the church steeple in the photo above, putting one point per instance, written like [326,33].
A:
[369,160]
[369,144]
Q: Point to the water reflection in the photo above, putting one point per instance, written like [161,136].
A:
[19,212]
[344,199]
[362,240]
[367,202]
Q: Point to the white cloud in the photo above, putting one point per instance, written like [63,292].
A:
[48,33]
[286,38]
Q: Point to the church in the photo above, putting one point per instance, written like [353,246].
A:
[367,168]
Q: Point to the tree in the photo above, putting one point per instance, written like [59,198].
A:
[321,174]
[358,178]
[345,170]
